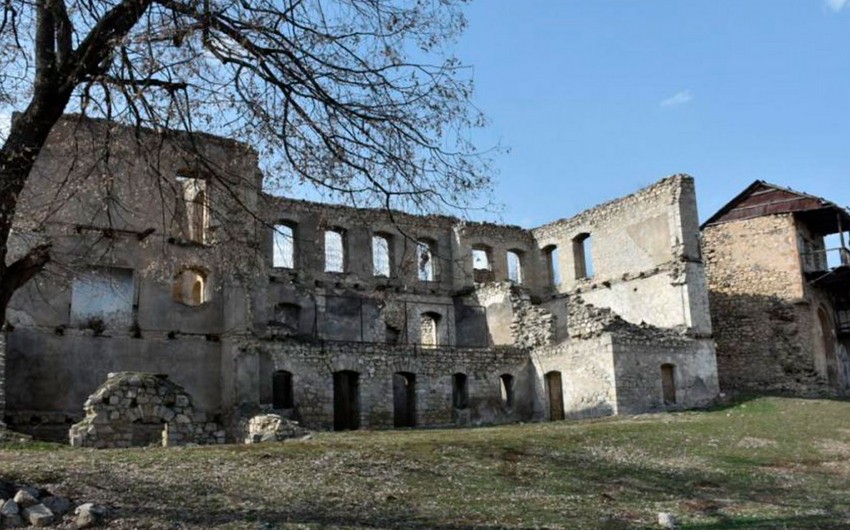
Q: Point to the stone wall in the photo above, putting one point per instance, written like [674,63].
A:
[763,315]
[137,409]
[224,333]
[645,256]
[312,367]
[2,377]
[638,359]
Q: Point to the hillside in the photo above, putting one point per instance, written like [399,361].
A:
[762,463]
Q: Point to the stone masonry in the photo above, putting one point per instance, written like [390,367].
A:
[334,316]
[130,405]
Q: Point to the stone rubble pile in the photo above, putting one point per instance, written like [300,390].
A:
[272,428]
[24,506]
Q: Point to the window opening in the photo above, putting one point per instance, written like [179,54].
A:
[552,255]
[481,264]
[429,323]
[334,251]
[102,296]
[514,267]
[381,255]
[191,287]
[287,317]
[582,256]
[425,261]
[283,246]
[193,209]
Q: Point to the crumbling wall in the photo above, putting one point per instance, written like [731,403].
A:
[312,367]
[136,409]
[645,256]
[762,317]
[121,215]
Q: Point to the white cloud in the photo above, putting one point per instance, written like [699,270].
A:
[5,123]
[836,5]
[681,98]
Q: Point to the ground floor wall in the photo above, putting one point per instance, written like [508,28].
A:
[49,377]
[387,386]
[767,344]
[664,374]
[622,374]
[575,379]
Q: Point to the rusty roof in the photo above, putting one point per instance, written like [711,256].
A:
[763,198]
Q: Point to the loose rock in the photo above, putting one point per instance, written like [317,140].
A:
[25,499]
[666,520]
[38,515]
[57,505]
[89,515]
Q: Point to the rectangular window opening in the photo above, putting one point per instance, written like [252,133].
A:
[334,251]
[283,249]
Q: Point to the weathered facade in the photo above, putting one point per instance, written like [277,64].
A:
[342,317]
[780,300]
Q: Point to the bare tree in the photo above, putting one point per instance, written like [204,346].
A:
[359,97]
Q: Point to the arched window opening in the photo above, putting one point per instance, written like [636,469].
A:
[425,261]
[282,394]
[334,251]
[668,383]
[193,210]
[191,287]
[514,267]
[283,246]
[582,256]
[507,387]
[428,329]
[381,255]
[551,254]
[460,391]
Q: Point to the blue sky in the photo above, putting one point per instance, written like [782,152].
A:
[597,98]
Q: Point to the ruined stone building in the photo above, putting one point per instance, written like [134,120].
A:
[780,299]
[340,317]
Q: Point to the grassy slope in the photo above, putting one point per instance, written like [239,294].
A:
[764,463]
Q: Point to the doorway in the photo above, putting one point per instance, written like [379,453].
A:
[346,400]
[556,395]
[404,399]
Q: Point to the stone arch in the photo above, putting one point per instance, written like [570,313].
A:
[126,408]
[826,360]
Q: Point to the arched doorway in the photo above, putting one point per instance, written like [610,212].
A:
[827,346]
[404,399]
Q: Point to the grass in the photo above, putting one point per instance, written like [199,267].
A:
[762,463]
